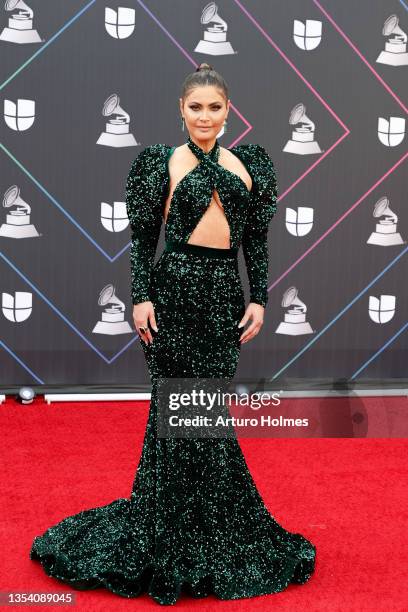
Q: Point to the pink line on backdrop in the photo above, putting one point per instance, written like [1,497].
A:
[360,55]
[288,61]
[339,220]
[195,64]
[302,176]
[347,131]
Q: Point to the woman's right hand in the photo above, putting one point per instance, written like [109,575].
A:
[143,314]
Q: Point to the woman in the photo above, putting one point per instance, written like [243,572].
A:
[195,520]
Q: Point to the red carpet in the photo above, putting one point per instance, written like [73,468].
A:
[347,496]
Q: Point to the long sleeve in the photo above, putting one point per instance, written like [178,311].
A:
[255,235]
[144,187]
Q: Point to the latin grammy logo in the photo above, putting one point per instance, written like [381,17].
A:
[395,52]
[382,309]
[215,36]
[121,23]
[391,133]
[307,36]
[113,316]
[20,116]
[299,222]
[20,24]
[302,142]
[117,127]
[386,229]
[295,323]
[18,220]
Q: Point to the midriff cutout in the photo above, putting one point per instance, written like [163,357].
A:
[213,229]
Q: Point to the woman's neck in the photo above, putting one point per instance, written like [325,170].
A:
[205,145]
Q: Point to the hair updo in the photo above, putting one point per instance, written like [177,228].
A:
[204,75]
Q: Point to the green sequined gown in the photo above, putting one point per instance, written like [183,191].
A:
[194,520]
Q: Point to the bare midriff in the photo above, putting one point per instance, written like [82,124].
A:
[213,229]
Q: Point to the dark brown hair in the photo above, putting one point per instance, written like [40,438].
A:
[204,75]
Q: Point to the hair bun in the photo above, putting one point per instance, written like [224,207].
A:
[204,66]
[203,76]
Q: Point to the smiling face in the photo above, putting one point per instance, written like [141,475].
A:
[204,110]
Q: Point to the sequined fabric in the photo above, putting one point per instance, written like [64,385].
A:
[248,213]
[194,520]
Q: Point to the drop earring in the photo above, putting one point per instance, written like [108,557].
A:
[225,126]
[182,124]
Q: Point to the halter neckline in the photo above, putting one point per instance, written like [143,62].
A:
[213,154]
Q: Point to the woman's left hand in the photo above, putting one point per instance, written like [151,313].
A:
[255,312]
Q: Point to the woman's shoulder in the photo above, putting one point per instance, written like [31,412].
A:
[255,152]
[257,160]
[154,153]
[150,162]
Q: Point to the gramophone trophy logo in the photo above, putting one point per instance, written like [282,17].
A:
[121,23]
[307,36]
[395,52]
[113,316]
[299,222]
[386,228]
[20,25]
[215,36]
[20,116]
[391,132]
[295,323]
[303,142]
[117,127]
[17,220]
[382,309]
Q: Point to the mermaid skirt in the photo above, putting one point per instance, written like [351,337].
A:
[194,520]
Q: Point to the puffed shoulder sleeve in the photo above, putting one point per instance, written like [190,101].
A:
[263,207]
[144,198]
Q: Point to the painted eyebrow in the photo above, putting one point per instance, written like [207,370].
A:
[211,103]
